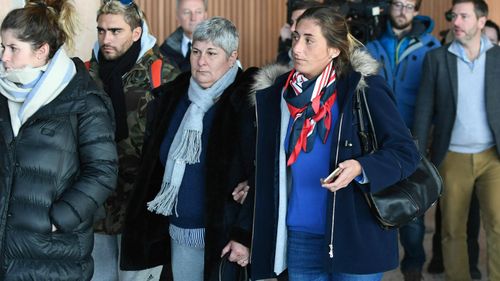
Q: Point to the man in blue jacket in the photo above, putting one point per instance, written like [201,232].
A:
[401,49]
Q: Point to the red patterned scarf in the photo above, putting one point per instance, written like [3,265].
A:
[309,102]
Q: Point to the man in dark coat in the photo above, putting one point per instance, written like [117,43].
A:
[459,99]
[127,65]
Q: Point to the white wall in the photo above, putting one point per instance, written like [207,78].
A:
[87,11]
[87,34]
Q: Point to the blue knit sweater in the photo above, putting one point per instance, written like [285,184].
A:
[191,198]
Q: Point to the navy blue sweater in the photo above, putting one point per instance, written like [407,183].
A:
[191,198]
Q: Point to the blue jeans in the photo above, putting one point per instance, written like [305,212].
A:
[411,236]
[304,263]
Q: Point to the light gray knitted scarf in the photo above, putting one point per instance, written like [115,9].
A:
[186,146]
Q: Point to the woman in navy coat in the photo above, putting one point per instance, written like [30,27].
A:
[306,127]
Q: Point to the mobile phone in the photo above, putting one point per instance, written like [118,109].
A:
[331,177]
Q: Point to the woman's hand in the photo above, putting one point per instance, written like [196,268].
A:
[240,192]
[350,170]
[239,253]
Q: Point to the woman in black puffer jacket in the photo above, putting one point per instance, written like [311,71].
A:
[58,158]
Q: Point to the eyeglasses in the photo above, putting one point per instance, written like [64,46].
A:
[399,6]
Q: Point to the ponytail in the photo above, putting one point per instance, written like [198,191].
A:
[44,21]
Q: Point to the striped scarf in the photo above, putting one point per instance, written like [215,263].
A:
[26,98]
[310,103]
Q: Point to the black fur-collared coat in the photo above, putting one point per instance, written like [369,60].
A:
[230,155]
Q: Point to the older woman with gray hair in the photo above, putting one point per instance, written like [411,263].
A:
[198,146]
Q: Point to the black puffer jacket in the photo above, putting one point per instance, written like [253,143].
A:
[61,166]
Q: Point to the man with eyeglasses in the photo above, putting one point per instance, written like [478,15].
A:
[401,49]
[459,98]
[127,64]
[177,46]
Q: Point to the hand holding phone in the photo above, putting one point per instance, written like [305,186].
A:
[331,177]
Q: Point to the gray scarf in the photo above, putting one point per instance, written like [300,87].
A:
[186,146]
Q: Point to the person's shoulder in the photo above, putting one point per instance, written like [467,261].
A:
[154,56]
[248,74]
[439,52]
[81,83]
[179,84]
[172,44]
[495,50]
[430,41]
[269,75]
[376,83]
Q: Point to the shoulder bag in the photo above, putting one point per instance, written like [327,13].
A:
[229,271]
[407,199]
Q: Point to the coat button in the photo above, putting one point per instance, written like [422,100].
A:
[17,165]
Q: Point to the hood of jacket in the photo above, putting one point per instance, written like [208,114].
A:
[420,25]
[361,62]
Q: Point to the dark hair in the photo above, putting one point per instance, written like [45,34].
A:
[418,3]
[304,5]
[336,32]
[480,7]
[492,24]
[51,21]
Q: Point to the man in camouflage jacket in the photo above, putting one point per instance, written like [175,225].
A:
[127,64]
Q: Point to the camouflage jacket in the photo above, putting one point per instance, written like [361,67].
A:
[137,88]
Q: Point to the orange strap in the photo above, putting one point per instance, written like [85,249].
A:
[156,67]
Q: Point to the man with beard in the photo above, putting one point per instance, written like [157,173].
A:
[458,98]
[127,64]
[401,49]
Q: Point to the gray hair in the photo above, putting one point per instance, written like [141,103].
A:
[205,3]
[220,31]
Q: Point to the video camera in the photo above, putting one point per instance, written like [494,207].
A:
[366,18]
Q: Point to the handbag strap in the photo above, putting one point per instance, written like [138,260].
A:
[224,261]
[367,135]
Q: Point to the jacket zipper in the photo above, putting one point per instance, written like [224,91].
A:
[330,253]
[13,147]
[255,184]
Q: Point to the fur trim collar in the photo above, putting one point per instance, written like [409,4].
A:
[365,64]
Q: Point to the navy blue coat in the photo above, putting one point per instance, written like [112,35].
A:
[361,246]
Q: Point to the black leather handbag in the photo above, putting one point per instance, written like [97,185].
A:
[408,199]
[229,271]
